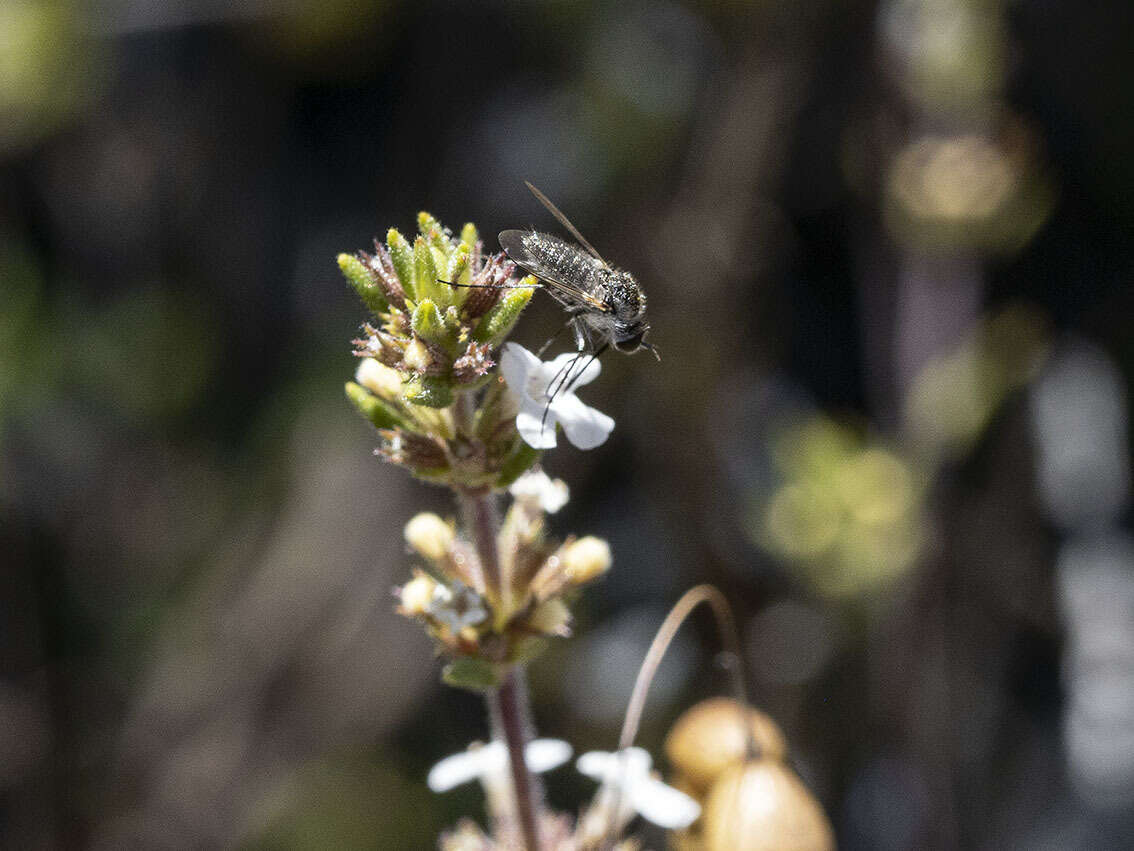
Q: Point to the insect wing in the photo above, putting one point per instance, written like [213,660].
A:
[517,245]
[563,220]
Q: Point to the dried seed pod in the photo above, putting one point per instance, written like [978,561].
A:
[763,806]
[712,736]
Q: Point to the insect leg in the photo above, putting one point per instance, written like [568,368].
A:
[595,355]
[557,383]
[553,337]
[582,344]
[562,380]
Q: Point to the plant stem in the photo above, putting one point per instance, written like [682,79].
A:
[508,707]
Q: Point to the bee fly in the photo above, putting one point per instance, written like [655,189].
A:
[606,305]
[602,301]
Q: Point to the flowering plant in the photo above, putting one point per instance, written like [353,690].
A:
[457,405]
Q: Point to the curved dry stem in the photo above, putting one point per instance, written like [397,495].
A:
[730,641]
[726,628]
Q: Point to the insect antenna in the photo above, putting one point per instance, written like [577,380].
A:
[489,286]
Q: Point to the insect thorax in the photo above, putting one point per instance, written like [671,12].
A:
[623,295]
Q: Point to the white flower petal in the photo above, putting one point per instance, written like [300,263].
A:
[537,488]
[516,364]
[593,764]
[585,427]
[537,432]
[663,805]
[464,767]
[545,754]
[481,762]
[620,767]
[584,369]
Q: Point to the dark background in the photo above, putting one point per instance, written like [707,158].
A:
[887,249]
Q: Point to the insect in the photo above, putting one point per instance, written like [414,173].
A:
[607,306]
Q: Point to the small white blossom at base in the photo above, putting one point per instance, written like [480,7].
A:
[485,763]
[529,381]
[456,608]
[626,777]
[536,489]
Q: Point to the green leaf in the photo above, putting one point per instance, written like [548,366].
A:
[431,229]
[401,255]
[472,674]
[359,277]
[380,412]
[425,269]
[458,268]
[519,460]
[432,391]
[469,236]
[495,325]
[431,326]
[527,649]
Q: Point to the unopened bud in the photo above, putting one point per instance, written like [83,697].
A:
[379,379]
[586,559]
[551,618]
[429,536]
[417,356]
[417,594]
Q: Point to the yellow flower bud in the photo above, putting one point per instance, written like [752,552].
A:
[586,559]
[429,536]
[417,594]
[711,737]
[379,379]
[763,806]
[417,355]
[551,618]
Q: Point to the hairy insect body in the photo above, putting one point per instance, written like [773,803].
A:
[608,300]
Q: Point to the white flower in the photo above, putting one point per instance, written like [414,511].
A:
[539,491]
[489,763]
[456,608]
[529,380]
[626,777]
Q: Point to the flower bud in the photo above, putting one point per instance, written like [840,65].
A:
[380,413]
[379,379]
[401,256]
[429,536]
[713,736]
[417,356]
[551,618]
[763,806]
[416,595]
[586,559]
[364,282]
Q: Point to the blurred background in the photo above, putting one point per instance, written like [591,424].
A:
[887,248]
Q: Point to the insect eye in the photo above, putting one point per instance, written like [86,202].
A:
[630,344]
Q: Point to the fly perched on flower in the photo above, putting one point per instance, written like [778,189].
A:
[607,305]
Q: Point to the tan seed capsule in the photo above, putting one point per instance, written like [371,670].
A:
[764,806]
[711,736]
